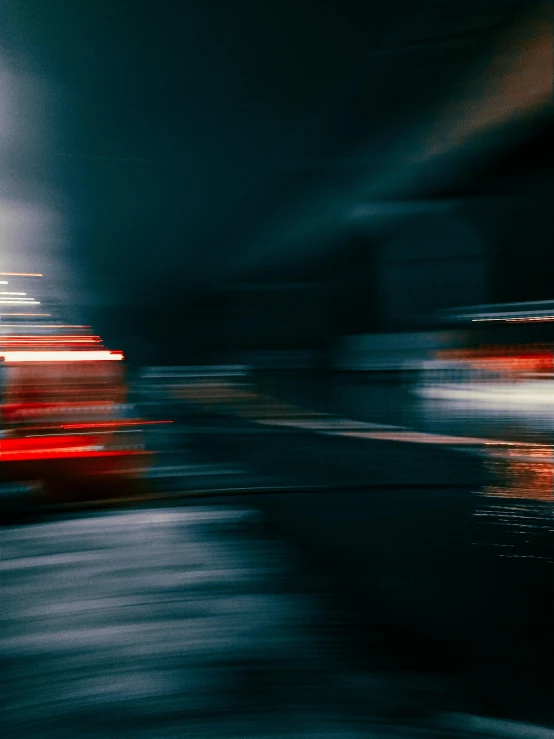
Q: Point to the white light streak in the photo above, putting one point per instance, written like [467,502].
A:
[40,325]
[62,356]
[21,274]
[516,319]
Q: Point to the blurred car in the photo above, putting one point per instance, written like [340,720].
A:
[66,426]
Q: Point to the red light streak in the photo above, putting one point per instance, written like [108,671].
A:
[55,447]
[45,442]
[100,424]
[46,342]
[62,454]
[54,337]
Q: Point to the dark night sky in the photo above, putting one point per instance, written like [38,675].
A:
[175,128]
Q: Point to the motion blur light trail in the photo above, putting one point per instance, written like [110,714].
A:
[119,424]
[21,274]
[62,356]
[54,376]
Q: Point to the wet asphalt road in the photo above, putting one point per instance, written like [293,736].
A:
[184,622]
[457,575]
[196,622]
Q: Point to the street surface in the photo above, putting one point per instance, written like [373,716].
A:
[186,622]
